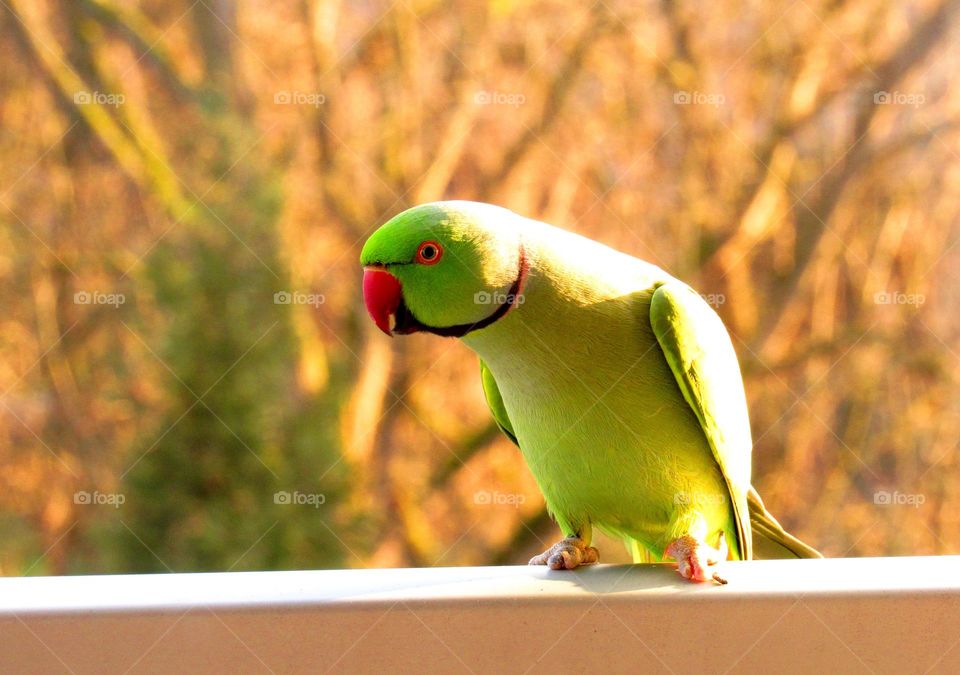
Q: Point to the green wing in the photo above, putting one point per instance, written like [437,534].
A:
[495,402]
[698,349]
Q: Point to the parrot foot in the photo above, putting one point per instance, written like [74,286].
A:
[695,557]
[567,555]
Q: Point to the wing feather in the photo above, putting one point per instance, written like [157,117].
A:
[698,348]
[495,402]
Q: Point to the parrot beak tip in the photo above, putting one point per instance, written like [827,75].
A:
[386,327]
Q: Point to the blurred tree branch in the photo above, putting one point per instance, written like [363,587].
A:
[147,170]
[558,90]
[812,220]
[133,26]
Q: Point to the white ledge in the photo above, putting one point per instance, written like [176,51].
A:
[848,615]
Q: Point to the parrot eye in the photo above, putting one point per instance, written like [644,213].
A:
[429,252]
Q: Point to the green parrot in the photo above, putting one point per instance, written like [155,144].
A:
[618,382]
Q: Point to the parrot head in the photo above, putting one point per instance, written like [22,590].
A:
[446,268]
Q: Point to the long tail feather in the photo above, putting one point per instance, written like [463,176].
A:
[770,540]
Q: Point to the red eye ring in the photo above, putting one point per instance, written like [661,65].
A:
[429,253]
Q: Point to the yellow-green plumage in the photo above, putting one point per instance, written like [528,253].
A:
[617,381]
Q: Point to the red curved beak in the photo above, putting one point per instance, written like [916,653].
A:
[381,295]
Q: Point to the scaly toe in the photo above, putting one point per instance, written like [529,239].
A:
[567,555]
[694,558]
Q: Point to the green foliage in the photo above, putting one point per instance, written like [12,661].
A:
[201,487]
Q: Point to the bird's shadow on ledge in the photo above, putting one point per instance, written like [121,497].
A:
[628,578]
[651,580]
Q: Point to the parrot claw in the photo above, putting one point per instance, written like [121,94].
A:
[567,555]
[694,558]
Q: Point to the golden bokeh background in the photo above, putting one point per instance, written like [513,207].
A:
[190,381]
